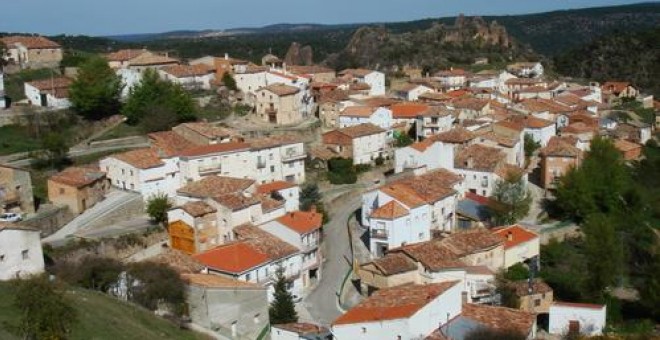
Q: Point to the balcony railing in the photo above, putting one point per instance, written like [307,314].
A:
[379,234]
[309,247]
[289,157]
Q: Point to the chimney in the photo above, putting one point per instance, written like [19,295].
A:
[291,214]
[509,236]
[226,56]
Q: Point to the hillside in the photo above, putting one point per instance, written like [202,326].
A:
[633,57]
[101,317]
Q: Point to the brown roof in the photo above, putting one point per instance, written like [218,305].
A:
[238,201]
[504,170]
[30,42]
[501,140]
[217,281]
[360,72]
[394,303]
[203,150]
[433,255]
[359,111]
[14,226]
[521,287]
[531,122]
[125,55]
[433,185]
[615,87]
[403,194]
[214,186]
[197,208]
[274,186]
[179,261]
[624,145]
[207,129]
[265,242]
[560,147]
[281,89]
[500,318]
[472,241]
[273,141]
[57,86]
[269,204]
[78,176]
[303,328]
[479,157]
[390,211]
[141,158]
[311,69]
[149,58]
[169,143]
[352,132]
[456,135]
[182,71]
[470,103]
[392,264]
[542,105]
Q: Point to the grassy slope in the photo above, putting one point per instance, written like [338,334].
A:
[102,317]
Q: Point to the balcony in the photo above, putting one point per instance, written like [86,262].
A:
[379,234]
[210,170]
[293,156]
[306,248]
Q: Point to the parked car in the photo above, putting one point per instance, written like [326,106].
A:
[10,217]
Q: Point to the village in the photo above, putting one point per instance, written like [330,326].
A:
[387,206]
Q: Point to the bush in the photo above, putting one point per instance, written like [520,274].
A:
[360,168]
[157,207]
[97,273]
[379,161]
[150,284]
[341,171]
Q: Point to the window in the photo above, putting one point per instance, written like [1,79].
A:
[364,329]
[272,168]
[61,191]
[247,277]
[537,302]
[2,258]
[26,254]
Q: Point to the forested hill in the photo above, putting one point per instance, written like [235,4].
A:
[629,56]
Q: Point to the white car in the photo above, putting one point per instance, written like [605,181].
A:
[10,217]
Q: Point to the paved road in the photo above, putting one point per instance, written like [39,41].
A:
[322,301]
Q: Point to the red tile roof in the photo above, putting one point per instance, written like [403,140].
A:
[214,186]
[456,135]
[560,147]
[197,208]
[78,176]
[281,89]
[500,318]
[408,110]
[203,150]
[265,242]
[359,111]
[141,158]
[480,158]
[390,211]
[50,84]
[183,71]
[169,143]
[394,303]
[31,42]
[235,258]
[302,222]
[125,55]
[391,264]
[274,186]
[515,235]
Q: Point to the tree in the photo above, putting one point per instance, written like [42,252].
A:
[309,196]
[510,200]
[282,309]
[157,207]
[403,140]
[341,171]
[97,273]
[229,81]
[604,253]
[96,91]
[54,150]
[530,145]
[46,313]
[150,284]
[3,54]
[152,95]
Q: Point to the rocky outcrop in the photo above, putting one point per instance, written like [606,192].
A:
[297,55]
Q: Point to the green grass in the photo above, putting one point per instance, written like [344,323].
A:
[14,138]
[122,130]
[101,317]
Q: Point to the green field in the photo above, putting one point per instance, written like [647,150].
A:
[14,138]
[101,317]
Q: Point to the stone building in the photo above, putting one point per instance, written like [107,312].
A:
[16,190]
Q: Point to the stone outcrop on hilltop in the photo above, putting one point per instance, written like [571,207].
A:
[297,55]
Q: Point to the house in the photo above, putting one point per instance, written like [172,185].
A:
[404,312]
[150,61]
[475,317]
[541,130]
[225,306]
[411,92]
[201,133]
[634,131]
[190,77]
[521,245]
[629,150]
[577,319]
[78,188]
[279,158]
[458,137]
[142,171]
[330,105]
[317,73]
[363,143]
[512,147]
[404,211]
[356,115]
[20,252]
[616,90]
[423,156]
[472,211]
[481,167]
[233,159]
[557,158]
[51,93]
[121,58]
[290,192]
[534,296]
[281,104]
[255,257]
[374,79]
[452,79]
[299,331]
[470,108]
[433,121]
[526,69]
[302,229]
[32,51]
[16,190]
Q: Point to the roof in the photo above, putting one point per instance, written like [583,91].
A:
[434,255]
[423,145]
[150,58]
[281,89]
[51,84]
[456,135]
[390,211]
[217,281]
[615,87]
[30,42]
[480,158]
[273,141]
[515,235]
[236,257]
[214,186]
[392,264]
[309,69]
[499,318]
[238,200]
[125,55]
[560,147]
[522,287]
[624,145]
[302,222]
[78,176]
[358,111]
[206,129]
[182,71]
[403,194]
[178,260]
[264,242]
[140,158]
[470,103]
[14,226]
[531,122]
[471,241]
[408,110]
[542,105]
[169,143]
[428,188]
[302,328]
[274,186]
[577,305]
[354,131]
[394,303]
[214,148]
[197,208]
[360,72]
[504,170]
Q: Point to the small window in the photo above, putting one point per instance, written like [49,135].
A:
[247,277]
[537,302]
[2,258]
[26,254]
[364,329]
[61,191]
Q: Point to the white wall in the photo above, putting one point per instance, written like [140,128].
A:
[542,135]
[202,82]
[480,181]
[129,78]
[522,252]
[592,321]
[439,155]
[382,118]
[376,80]
[20,254]
[239,164]
[368,148]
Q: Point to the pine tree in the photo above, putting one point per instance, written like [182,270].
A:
[282,309]
[510,200]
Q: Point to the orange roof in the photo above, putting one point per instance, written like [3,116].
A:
[141,158]
[124,55]
[408,110]
[302,222]
[234,258]
[78,176]
[390,211]
[394,303]
[515,235]
[31,42]
[274,186]
[359,111]
[182,71]
[51,83]
[169,143]
[423,145]
[458,93]
[214,148]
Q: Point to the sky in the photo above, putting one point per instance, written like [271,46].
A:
[111,17]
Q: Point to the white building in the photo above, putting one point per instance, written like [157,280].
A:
[481,167]
[520,246]
[526,69]
[20,252]
[52,92]
[375,79]
[433,121]
[452,79]
[130,79]
[290,192]
[577,318]
[356,115]
[190,77]
[232,159]
[423,156]
[363,143]
[411,92]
